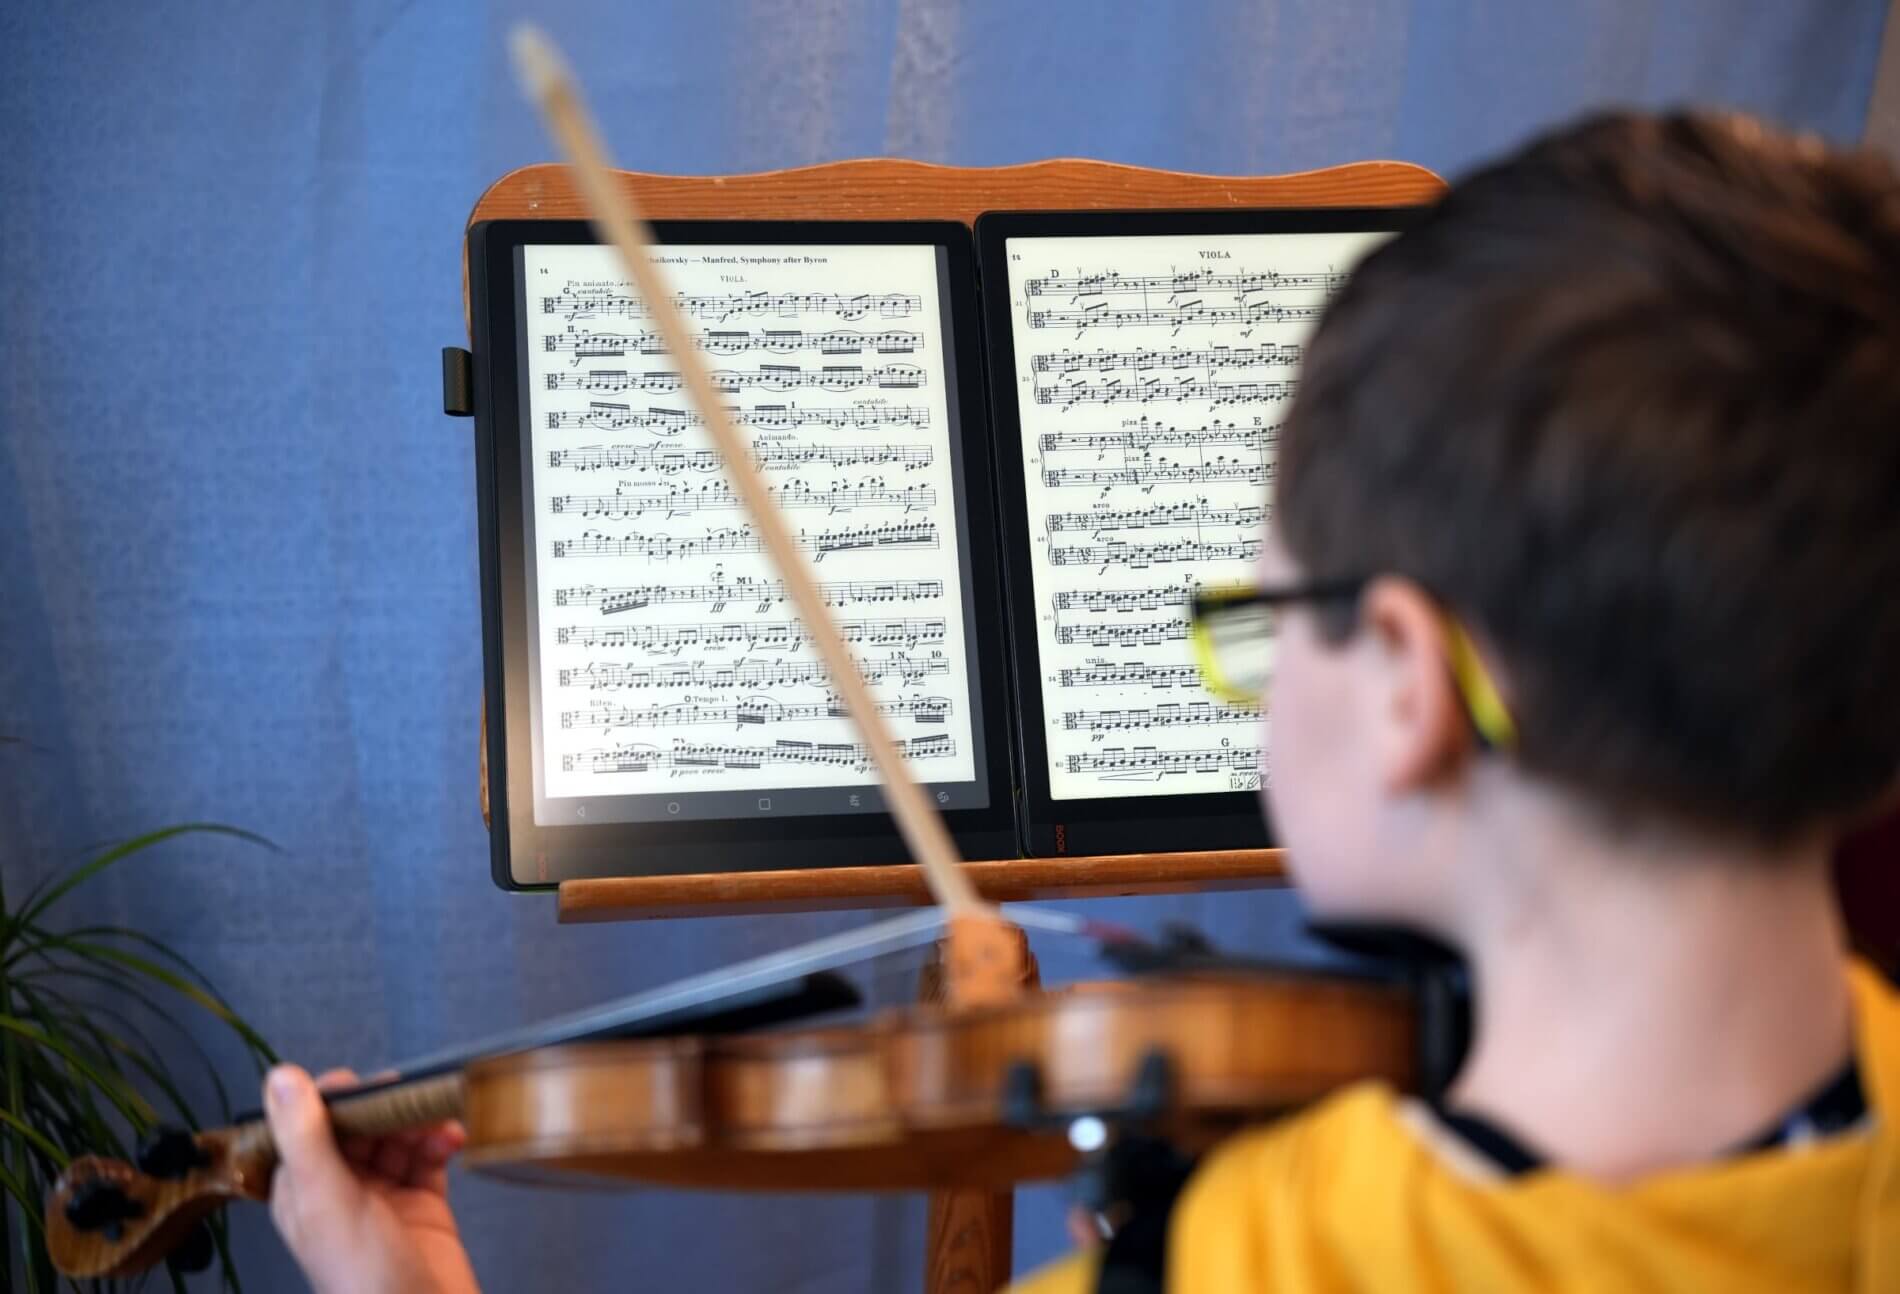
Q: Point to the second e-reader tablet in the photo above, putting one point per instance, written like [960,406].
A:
[1140,366]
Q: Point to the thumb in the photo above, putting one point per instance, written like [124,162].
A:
[314,1195]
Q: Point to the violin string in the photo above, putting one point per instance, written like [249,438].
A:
[910,931]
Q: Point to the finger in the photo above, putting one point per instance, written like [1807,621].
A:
[320,1193]
[332,1080]
[443,1142]
[358,1150]
[394,1158]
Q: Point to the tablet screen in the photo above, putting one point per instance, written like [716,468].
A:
[1143,363]
[669,674]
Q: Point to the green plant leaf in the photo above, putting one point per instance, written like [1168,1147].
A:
[177,983]
[264,1054]
[125,987]
[129,1103]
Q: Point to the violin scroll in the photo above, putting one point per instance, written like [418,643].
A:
[106,1218]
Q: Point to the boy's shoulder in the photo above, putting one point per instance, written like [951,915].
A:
[1368,1190]
[1371,1190]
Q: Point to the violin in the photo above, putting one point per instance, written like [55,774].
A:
[919,1098]
[991,1087]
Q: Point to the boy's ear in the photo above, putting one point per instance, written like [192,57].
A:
[1418,716]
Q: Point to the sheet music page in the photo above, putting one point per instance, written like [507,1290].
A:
[1152,374]
[670,657]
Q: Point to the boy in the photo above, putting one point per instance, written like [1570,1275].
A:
[1582,593]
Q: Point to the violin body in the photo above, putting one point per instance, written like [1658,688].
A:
[929,1097]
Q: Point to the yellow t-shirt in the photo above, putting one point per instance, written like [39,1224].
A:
[1351,1197]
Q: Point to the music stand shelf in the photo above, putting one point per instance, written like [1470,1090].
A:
[895,189]
[1009,880]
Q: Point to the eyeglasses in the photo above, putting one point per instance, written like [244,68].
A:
[1234,632]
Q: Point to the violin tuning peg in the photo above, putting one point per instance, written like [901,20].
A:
[100,1205]
[170,1153]
[195,1252]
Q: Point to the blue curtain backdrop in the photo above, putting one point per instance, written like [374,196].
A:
[237,545]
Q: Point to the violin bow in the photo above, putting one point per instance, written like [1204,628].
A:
[983,958]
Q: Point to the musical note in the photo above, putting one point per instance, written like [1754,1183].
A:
[688,756]
[752,635]
[670,460]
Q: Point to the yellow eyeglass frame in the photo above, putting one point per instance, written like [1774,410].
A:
[1490,716]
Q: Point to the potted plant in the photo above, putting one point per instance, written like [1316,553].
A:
[83,1010]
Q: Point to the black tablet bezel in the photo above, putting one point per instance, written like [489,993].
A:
[1133,824]
[524,855]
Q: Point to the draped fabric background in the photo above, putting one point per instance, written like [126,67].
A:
[237,554]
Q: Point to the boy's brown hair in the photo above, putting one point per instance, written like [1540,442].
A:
[1628,403]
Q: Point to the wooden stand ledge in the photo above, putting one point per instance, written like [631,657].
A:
[636,898]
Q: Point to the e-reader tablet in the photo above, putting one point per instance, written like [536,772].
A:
[1140,365]
[654,704]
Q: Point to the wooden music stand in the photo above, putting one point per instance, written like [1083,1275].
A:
[970,1232]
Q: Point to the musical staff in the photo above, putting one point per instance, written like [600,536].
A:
[776,341]
[721,306]
[1126,633]
[1150,389]
[754,711]
[744,591]
[608,416]
[1195,714]
[1118,552]
[1115,283]
[742,539]
[595,676]
[909,632]
[1220,470]
[772,377]
[1201,512]
[689,756]
[1146,761]
[1143,438]
[1181,315]
[1152,598]
[671,460]
[717,496]
[1101,673]
[1065,363]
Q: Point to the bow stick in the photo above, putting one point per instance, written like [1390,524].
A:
[983,956]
